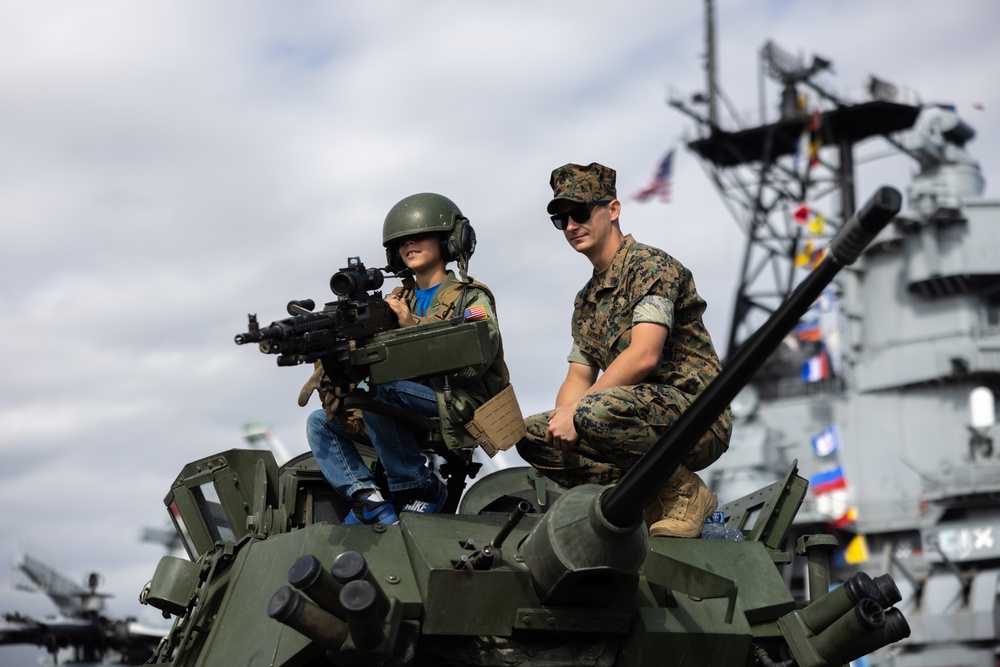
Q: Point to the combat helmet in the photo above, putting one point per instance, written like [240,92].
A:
[423,213]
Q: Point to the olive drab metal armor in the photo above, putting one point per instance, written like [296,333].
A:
[428,213]
[274,577]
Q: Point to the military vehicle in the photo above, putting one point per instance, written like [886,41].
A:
[81,634]
[274,578]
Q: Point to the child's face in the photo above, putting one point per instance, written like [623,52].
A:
[421,252]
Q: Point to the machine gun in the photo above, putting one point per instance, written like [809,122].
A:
[326,335]
[357,337]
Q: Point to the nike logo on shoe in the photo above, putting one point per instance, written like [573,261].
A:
[417,506]
[366,513]
[371,515]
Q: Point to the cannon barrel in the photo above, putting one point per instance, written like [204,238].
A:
[624,502]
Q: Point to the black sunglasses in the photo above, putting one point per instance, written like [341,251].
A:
[580,214]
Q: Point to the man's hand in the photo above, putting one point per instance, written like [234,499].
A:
[402,311]
[561,433]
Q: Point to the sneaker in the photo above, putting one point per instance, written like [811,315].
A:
[428,500]
[366,512]
[681,507]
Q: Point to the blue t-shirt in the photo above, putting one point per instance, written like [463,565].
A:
[424,298]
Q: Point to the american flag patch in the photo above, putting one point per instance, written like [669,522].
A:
[475,314]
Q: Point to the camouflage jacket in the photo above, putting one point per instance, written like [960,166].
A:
[473,386]
[641,276]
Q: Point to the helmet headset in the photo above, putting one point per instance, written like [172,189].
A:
[428,213]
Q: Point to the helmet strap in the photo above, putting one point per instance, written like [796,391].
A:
[404,273]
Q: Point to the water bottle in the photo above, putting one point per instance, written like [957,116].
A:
[715,528]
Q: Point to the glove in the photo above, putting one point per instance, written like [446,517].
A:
[312,384]
[329,396]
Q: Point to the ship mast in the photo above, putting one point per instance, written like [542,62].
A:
[713,111]
[768,172]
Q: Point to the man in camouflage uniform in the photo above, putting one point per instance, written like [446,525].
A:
[640,356]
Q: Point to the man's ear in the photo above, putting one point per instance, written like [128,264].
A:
[615,209]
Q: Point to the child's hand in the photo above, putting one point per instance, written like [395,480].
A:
[402,311]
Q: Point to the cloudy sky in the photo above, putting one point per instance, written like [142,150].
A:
[168,167]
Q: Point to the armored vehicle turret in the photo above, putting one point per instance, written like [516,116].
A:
[274,579]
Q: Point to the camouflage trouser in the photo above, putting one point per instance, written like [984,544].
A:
[616,427]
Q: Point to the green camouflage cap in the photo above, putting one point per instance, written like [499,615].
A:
[583,185]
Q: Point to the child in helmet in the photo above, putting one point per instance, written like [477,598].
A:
[421,233]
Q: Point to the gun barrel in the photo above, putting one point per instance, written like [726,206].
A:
[289,327]
[622,503]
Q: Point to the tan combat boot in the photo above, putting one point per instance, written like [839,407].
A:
[681,507]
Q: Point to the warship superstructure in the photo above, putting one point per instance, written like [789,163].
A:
[896,427]
[885,391]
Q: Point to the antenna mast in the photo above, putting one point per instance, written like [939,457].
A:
[769,172]
[713,113]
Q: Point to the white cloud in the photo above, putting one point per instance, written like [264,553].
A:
[168,167]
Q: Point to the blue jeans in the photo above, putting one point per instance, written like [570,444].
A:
[397,443]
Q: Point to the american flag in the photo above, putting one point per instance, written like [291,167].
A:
[475,314]
[660,185]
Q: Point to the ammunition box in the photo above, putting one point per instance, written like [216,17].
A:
[424,350]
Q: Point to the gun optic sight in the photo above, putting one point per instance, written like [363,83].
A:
[355,280]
